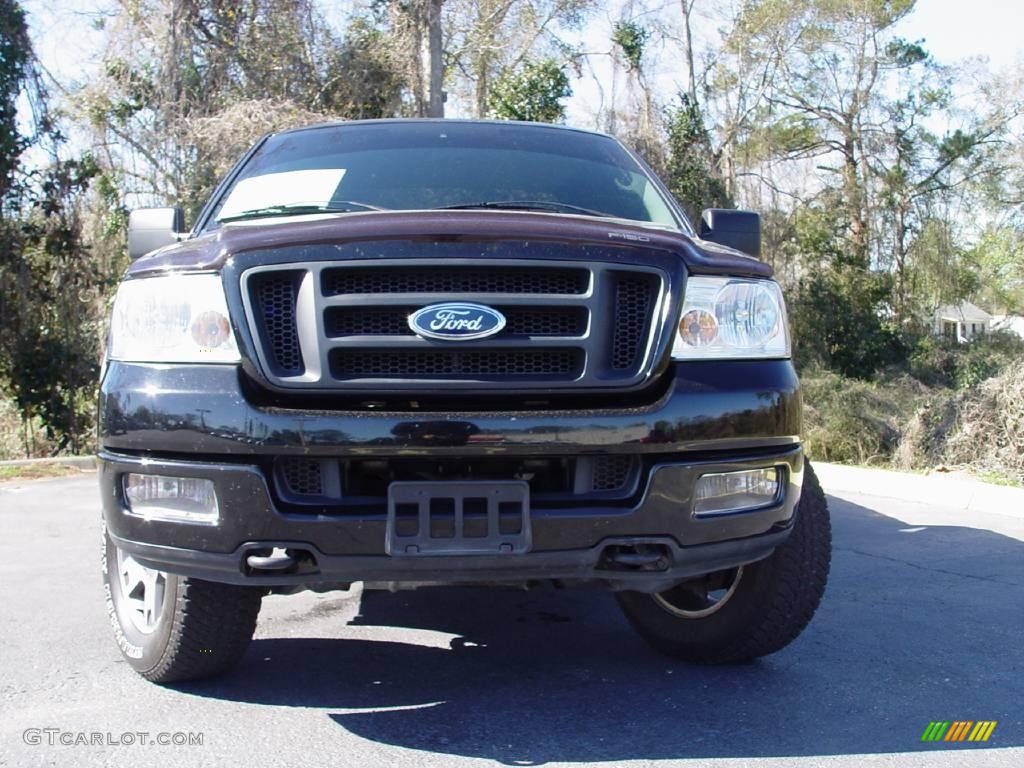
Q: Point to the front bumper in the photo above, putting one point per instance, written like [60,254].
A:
[194,421]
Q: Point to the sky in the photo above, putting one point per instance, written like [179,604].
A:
[69,47]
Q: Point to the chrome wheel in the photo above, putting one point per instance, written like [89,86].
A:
[700,597]
[142,592]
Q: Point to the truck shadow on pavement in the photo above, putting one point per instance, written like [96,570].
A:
[917,625]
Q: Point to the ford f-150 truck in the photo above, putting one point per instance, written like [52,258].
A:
[411,352]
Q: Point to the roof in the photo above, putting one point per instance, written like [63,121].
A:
[442,120]
[963,312]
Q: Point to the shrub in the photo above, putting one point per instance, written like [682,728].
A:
[849,421]
[837,322]
[989,434]
[941,362]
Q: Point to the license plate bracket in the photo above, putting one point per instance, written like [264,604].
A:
[458,518]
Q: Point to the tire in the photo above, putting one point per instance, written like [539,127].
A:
[173,628]
[761,607]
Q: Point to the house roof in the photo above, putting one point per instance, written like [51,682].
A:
[963,312]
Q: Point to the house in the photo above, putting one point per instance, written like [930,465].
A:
[1011,323]
[962,322]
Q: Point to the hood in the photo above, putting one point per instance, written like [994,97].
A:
[212,251]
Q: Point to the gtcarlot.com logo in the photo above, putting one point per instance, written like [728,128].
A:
[59,737]
[958,730]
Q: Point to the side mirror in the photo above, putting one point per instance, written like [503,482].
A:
[152,228]
[736,229]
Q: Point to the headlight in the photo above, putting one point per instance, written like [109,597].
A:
[728,317]
[173,319]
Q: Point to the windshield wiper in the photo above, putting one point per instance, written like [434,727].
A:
[296,209]
[528,205]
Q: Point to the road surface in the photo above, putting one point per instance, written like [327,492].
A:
[923,620]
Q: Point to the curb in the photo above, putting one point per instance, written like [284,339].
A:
[81,462]
[948,491]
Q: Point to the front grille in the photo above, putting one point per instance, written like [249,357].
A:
[274,295]
[455,280]
[503,364]
[633,306]
[569,325]
[394,321]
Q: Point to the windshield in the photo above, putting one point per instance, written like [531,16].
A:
[409,165]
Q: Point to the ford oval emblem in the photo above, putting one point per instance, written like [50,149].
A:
[456,321]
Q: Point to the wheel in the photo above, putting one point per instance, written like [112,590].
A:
[173,628]
[743,613]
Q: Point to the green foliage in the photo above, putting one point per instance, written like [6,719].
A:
[631,39]
[945,363]
[14,57]
[366,84]
[836,321]
[906,54]
[49,357]
[691,173]
[50,295]
[770,137]
[837,309]
[996,262]
[534,92]
[939,271]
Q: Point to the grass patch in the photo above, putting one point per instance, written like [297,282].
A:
[38,471]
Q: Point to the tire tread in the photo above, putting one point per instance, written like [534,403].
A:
[213,625]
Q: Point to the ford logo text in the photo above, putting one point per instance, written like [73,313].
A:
[456,321]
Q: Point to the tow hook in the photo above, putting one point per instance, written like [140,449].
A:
[277,560]
[636,557]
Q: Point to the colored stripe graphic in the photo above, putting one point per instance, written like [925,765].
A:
[983,730]
[935,730]
[959,730]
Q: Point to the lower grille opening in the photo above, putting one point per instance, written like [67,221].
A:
[302,477]
[611,472]
[363,483]
[498,365]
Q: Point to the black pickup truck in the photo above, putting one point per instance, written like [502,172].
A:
[452,352]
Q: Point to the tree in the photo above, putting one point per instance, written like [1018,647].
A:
[485,38]
[636,120]
[365,82]
[692,173]
[917,170]
[534,92]
[997,261]
[189,84]
[416,28]
[49,291]
[834,309]
[828,63]
[15,53]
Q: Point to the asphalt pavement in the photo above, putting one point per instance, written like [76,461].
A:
[923,620]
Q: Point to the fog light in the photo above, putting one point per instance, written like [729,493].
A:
[172,499]
[724,492]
